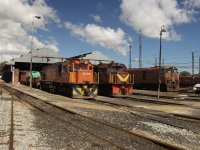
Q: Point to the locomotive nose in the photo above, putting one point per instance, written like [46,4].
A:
[86,89]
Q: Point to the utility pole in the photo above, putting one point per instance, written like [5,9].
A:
[193,67]
[140,49]
[199,65]
[159,71]
[129,56]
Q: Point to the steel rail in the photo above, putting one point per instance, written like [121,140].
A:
[138,134]
[25,97]
[11,125]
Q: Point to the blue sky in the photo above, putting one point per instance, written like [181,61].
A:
[72,27]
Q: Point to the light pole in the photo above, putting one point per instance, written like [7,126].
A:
[31,59]
[159,72]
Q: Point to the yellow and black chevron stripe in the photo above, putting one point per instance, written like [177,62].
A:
[78,89]
[123,79]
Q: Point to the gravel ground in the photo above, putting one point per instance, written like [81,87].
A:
[166,133]
[168,108]
[180,137]
[26,136]
[34,129]
[159,116]
[5,117]
[112,135]
[59,135]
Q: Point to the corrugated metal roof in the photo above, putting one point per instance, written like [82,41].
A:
[95,57]
[41,52]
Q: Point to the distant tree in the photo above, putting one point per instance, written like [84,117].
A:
[185,73]
[1,67]
[197,75]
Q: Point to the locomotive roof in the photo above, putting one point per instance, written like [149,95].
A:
[153,68]
[112,64]
[68,61]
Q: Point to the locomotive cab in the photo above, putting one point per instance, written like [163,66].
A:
[80,72]
[171,76]
[114,79]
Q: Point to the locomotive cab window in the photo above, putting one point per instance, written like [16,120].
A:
[76,66]
[117,68]
[70,68]
[174,70]
[65,68]
[104,70]
[84,67]
[162,71]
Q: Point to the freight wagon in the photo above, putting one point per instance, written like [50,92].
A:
[114,79]
[74,78]
[147,78]
[186,81]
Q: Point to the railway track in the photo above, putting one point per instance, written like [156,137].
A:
[57,113]
[6,122]
[174,95]
[163,101]
[150,100]
[159,116]
[41,106]
[11,126]
[162,144]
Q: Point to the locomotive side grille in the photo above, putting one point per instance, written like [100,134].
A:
[131,78]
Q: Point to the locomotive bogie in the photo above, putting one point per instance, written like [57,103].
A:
[70,89]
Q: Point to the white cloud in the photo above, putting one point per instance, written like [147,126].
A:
[109,38]
[97,18]
[149,15]
[192,3]
[15,26]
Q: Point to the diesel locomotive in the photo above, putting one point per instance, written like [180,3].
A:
[74,78]
[114,80]
[148,78]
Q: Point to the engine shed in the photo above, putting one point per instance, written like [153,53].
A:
[40,58]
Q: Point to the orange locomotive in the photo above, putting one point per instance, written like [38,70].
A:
[147,78]
[114,79]
[74,78]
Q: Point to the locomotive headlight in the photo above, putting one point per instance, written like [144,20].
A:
[86,62]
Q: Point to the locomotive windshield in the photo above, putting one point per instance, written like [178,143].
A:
[117,68]
[84,67]
[80,67]
[171,70]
